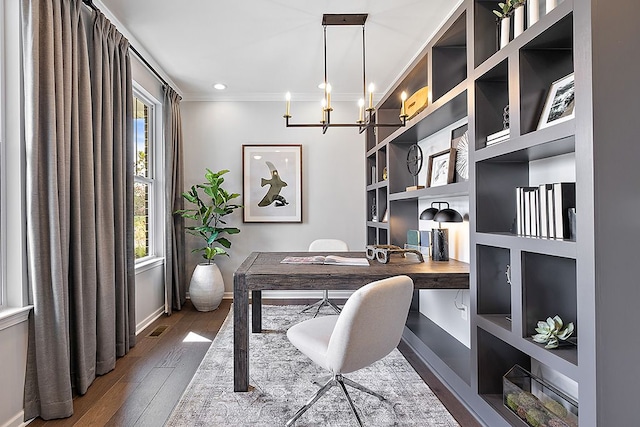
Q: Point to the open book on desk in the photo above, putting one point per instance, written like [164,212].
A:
[329,260]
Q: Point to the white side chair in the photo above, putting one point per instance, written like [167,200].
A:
[325,245]
[369,327]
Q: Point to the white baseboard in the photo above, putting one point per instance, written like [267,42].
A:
[149,320]
[16,421]
[297,294]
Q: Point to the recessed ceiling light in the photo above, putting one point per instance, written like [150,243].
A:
[220,86]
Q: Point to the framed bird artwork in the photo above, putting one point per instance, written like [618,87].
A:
[272,183]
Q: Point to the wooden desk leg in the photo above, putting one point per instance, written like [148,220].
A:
[240,334]
[256,312]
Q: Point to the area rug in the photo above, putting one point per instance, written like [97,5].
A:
[281,382]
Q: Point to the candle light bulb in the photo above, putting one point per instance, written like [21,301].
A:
[361,113]
[371,89]
[328,91]
[323,103]
[287,97]
[403,96]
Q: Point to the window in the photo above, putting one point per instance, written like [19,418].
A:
[144,180]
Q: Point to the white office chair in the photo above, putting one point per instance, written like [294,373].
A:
[325,245]
[369,327]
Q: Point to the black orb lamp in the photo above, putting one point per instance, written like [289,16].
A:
[440,236]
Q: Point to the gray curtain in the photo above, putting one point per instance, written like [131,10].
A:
[79,178]
[175,286]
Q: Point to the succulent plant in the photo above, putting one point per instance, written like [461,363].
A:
[552,331]
[536,417]
[556,408]
[512,401]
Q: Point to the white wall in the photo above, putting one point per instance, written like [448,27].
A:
[332,173]
[149,293]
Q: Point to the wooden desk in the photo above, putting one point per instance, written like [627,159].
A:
[263,271]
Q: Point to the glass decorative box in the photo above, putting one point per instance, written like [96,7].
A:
[536,402]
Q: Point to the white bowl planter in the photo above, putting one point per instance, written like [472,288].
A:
[206,288]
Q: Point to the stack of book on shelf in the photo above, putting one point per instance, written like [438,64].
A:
[494,138]
[543,211]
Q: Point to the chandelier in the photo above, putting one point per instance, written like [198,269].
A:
[364,121]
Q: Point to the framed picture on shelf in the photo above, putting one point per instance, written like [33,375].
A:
[460,142]
[441,168]
[272,183]
[560,103]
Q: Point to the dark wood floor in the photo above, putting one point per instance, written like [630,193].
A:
[147,383]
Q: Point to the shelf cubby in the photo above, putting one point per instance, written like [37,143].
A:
[383,238]
[485,31]
[496,184]
[382,202]
[372,206]
[399,176]
[495,358]
[497,177]
[491,98]
[494,291]
[404,216]
[448,349]
[549,289]
[371,167]
[372,235]
[382,163]
[543,60]
[449,56]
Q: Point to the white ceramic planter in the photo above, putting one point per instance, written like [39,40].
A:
[533,12]
[518,21]
[206,288]
[505,28]
[550,5]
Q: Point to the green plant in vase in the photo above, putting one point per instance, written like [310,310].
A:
[506,9]
[206,287]
[552,332]
[208,214]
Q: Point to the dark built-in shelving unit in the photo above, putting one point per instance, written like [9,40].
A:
[589,280]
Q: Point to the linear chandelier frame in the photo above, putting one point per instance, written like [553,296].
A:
[363,123]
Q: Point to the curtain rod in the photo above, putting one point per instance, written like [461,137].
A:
[90,4]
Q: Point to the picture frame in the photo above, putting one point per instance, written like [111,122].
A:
[560,103]
[441,168]
[272,183]
[460,142]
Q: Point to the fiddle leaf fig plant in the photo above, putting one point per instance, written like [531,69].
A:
[208,213]
[552,331]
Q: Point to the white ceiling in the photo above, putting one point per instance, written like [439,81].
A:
[263,48]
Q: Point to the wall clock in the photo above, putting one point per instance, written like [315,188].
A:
[414,165]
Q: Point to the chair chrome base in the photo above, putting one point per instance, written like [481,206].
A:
[324,301]
[334,380]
